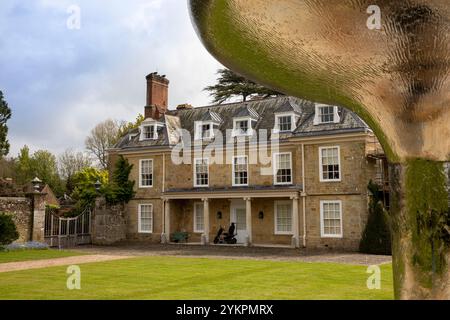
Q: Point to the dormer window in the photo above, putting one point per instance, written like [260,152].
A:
[326,114]
[149,132]
[149,129]
[242,127]
[285,122]
[204,130]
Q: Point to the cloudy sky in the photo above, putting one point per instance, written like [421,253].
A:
[60,82]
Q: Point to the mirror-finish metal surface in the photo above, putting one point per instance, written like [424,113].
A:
[396,78]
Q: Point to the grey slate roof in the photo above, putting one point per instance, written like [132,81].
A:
[264,110]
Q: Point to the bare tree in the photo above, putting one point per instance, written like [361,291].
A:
[71,162]
[104,136]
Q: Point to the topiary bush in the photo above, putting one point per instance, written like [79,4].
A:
[8,230]
[376,238]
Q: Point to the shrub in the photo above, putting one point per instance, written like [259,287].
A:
[376,238]
[8,230]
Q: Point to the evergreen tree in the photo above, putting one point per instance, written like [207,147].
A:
[376,238]
[230,85]
[5,115]
[121,190]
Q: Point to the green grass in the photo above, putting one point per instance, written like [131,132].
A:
[198,278]
[26,255]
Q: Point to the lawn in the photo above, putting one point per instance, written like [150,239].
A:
[26,255]
[198,278]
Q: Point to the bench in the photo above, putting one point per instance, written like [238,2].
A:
[180,237]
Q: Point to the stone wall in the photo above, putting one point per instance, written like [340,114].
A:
[20,208]
[108,223]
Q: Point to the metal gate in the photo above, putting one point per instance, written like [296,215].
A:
[67,232]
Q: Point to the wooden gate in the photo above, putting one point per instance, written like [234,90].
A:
[67,232]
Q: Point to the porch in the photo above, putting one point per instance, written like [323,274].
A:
[263,217]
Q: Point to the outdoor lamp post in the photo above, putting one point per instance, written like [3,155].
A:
[389,62]
[36,182]
[97,186]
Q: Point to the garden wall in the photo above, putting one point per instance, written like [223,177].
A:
[108,223]
[20,208]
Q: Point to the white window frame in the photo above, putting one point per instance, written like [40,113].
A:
[233,172]
[195,173]
[282,115]
[318,118]
[140,215]
[140,174]
[283,202]
[321,164]
[322,226]
[155,132]
[196,230]
[237,132]
[198,135]
[275,156]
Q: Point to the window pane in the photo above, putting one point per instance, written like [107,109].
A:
[330,164]
[146,173]
[284,218]
[326,114]
[198,217]
[149,132]
[283,168]
[331,218]
[242,126]
[240,171]
[285,123]
[146,219]
[201,172]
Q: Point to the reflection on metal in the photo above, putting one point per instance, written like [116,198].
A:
[396,77]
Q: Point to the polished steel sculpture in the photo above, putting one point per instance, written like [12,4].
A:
[389,61]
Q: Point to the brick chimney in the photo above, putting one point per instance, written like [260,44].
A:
[157,95]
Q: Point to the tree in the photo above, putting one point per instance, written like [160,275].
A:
[5,115]
[376,238]
[71,162]
[104,136]
[41,164]
[230,85]
[84,191]
[45,168]
[24,166]
[121,189]
[125,127]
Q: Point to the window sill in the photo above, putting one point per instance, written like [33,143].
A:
[332,236]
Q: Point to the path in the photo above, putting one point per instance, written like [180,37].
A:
[36,264]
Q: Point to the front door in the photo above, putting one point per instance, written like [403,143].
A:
[238,216]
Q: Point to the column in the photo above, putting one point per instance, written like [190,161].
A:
[248,217]
[165,237]
[295,222]
[38,216]
[205,237]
